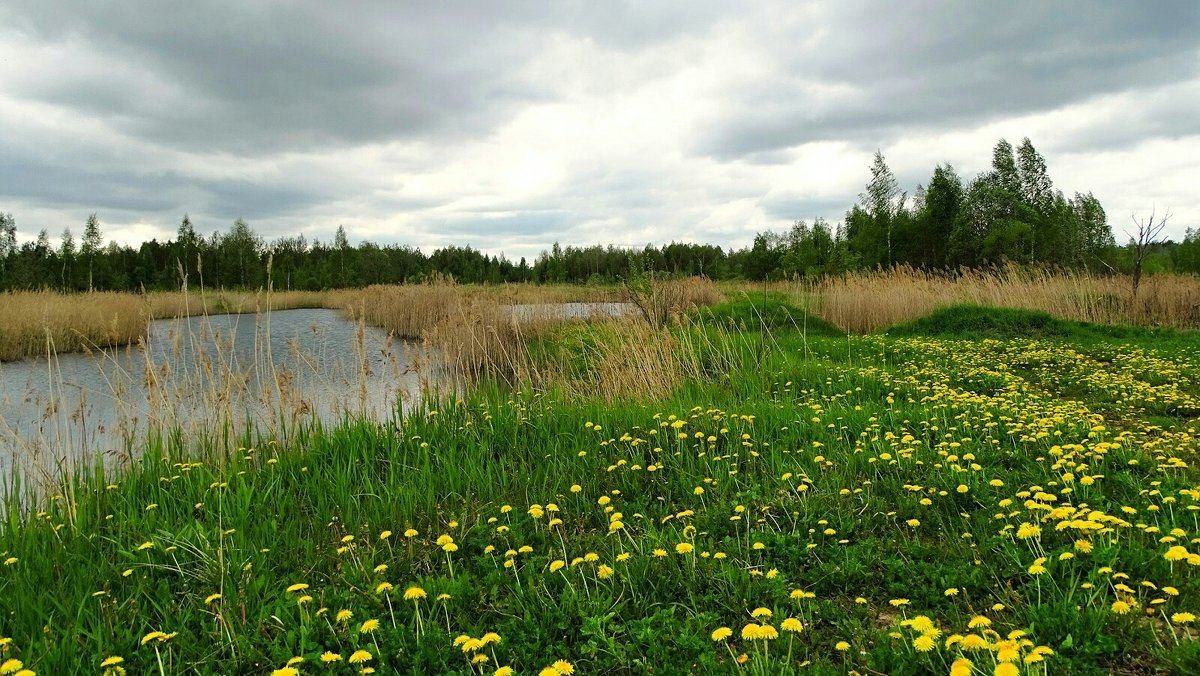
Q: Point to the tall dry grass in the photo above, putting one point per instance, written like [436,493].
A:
[867,301]
[467,332]
[35,322]
[661,301]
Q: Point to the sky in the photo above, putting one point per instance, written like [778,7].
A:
[507,126]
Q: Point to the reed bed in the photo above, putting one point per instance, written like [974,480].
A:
[869,301]
[661,301]
[39,321]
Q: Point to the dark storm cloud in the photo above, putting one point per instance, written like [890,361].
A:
[880,70]
[253,77]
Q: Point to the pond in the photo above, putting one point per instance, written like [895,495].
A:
[203,376]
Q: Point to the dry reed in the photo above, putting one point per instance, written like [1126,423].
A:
[867,301]
[661,301]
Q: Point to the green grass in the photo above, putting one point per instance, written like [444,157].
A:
[771,311]
[970,321]
[860,471]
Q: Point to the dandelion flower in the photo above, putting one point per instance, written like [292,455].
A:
[563,667]
[721,633]
[684,548]
[793,625]
[961,667]
[973,642]
[924,643]
[1121,607]
[1176,553]
[299,586]
[979,621]
[344,615]
[1183,618]
[361,656]
[112,661]
[761,613]
[1006,669]
[369,626]
[329,656]
[414,593]
[841,646]
[11,666]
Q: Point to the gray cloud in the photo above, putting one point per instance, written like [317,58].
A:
[896,67]
[401,118]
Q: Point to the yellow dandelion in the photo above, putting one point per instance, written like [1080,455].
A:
[924,643]
[360,656]
[721,633]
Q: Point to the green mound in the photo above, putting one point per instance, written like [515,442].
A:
[767,311]
[979,321]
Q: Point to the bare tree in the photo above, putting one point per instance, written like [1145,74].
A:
[1147,235]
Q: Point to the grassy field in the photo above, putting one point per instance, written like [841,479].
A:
[978,492]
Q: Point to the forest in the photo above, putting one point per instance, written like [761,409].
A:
[1009,213]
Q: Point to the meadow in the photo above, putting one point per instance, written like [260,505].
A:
[750,491]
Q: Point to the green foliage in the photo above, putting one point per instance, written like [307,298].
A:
[858,468]
[766,311]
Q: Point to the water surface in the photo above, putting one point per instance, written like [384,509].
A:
[203,375]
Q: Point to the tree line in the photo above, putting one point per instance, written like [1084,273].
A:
[1010,212]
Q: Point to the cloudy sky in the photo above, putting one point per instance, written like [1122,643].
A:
[509,125]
